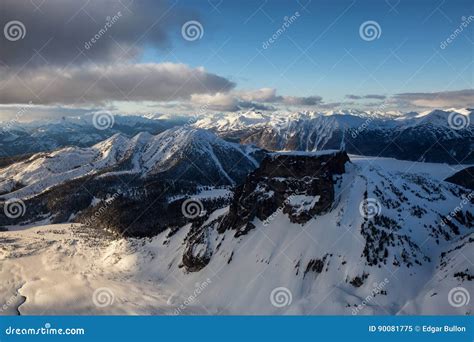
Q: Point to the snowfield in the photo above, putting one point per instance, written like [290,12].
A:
[279,267]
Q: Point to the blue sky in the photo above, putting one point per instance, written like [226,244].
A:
[322,53]
[72,57]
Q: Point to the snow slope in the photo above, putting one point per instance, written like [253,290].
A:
[143,155]
[279,267]
[435,136]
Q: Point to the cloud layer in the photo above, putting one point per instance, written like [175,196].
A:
[366,97]
[260,99]
[446,99]
[57,30]
[101,84]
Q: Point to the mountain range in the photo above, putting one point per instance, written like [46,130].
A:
[441,136]
[186,206]
[436,136]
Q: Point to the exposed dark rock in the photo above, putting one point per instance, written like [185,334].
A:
[283,183]
[358,281]
[315,265]
[464,178]
[423,141]
[465,275]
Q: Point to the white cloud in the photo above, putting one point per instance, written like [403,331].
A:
[445,99]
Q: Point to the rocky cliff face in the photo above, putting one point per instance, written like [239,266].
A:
[299,185]
[464,178]
[427,137]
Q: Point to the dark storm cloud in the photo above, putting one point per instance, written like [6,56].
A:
[56,30]
[117,82]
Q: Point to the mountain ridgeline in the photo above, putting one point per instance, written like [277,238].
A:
[313,221]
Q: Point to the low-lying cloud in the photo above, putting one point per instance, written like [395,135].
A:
[366,97]
[445,99]
[269,95]
[260,99]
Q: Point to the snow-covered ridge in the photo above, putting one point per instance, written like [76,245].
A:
[349,118]
[330,264]
[435,136]
[144,154]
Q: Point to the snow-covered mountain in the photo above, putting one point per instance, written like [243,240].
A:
[435,136]
[146,170]
[27,138]
[304,233]
[183,153]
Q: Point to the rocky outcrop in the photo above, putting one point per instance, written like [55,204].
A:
[299,185]
[464,178]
